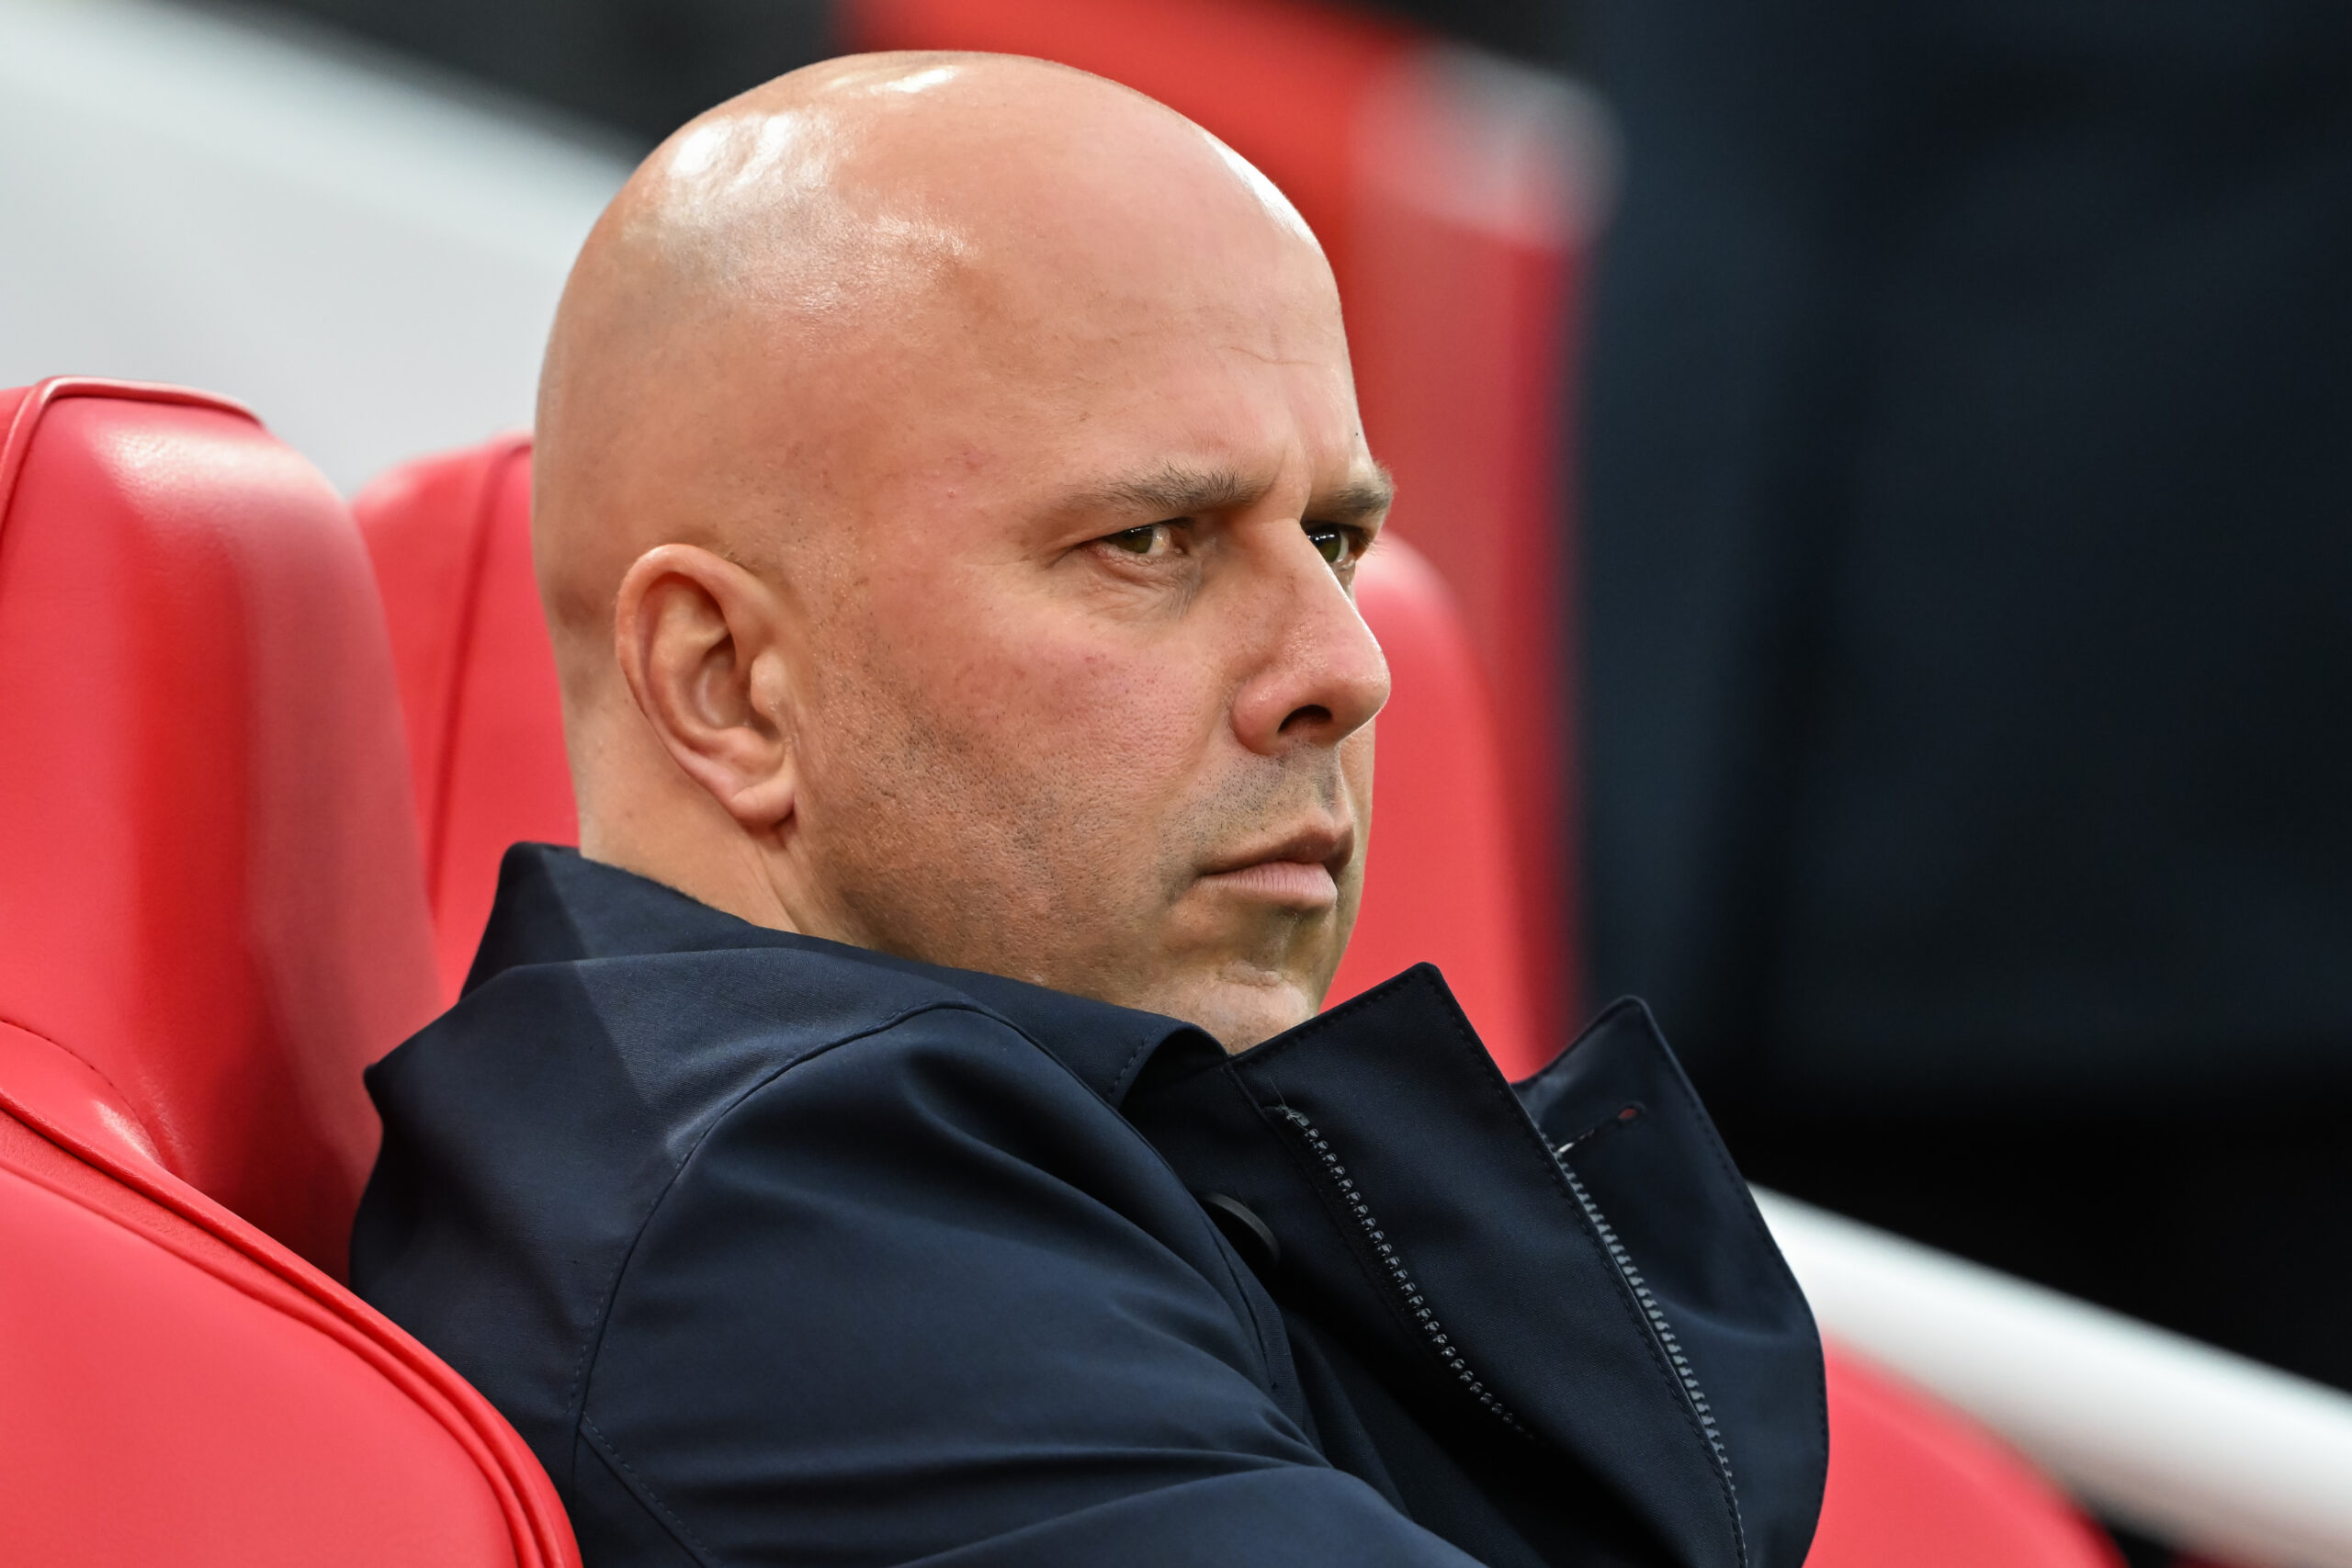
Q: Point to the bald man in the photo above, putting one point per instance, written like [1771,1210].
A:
[904,1131]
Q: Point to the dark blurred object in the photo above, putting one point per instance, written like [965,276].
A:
[1970,608]
[642,66]
[1544,32]
[2230,1228]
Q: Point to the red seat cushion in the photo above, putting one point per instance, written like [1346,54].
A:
[212,917]
[170,1400]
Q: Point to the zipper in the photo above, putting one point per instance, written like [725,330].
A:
[1660,1330]
[1399,1278]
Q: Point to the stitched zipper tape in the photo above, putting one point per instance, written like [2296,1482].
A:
[1399,1279]
[1663,1332]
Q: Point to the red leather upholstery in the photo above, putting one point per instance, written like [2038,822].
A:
[202,829]
[211,917]
[1440,881]
[1911,1483]
[451,541]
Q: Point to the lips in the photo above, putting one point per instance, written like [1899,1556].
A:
[1301,885]
[1299,871]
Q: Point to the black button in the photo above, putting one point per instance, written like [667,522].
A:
[1250,1235]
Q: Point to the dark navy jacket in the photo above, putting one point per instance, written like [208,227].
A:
[778,1251]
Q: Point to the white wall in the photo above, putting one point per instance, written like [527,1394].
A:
[368,259]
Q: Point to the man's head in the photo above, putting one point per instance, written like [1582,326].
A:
[949,481]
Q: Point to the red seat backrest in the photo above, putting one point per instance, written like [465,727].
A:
[1441,882]
[212,917]
[451,541]
[209,892]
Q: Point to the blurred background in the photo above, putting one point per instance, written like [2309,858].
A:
[1896,458]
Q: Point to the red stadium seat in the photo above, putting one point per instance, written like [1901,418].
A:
[451,540]
[1914,1484]
[212,917]
[1909,1482]
[1441,880]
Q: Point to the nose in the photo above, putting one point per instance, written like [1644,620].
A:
[1320,675]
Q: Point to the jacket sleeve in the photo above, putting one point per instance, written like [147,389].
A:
[923,1298]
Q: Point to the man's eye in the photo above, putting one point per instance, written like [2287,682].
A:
[1337,545]
[1151,540]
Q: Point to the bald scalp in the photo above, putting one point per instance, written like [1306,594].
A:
[786,265]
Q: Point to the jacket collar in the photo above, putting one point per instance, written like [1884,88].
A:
[555,906]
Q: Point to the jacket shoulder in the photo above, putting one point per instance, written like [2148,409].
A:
[529,1132]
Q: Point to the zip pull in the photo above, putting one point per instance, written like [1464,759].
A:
[1625,1116]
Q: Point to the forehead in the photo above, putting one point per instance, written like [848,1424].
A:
[1099,299]
[1044,377]
[1091,401]
[1065,202]
[1214,332]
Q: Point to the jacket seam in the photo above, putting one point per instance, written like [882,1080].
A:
[1398,1288]
[576,1395]
[1559,1063]
[1119,1078]
[641,1491]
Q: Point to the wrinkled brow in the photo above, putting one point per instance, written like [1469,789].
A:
[1174,491]
[1359,501]
[1177,490]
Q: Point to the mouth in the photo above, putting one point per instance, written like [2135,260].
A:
[1300,871]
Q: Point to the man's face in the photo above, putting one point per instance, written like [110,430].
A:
[1090,702]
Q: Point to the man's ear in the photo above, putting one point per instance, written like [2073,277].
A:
[697,638]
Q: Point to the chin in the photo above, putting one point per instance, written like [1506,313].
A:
[1240,1016]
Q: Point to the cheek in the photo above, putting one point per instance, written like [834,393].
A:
[1355,777]
[1053,789]
[1140,723]
[1016,672]
[1355,767]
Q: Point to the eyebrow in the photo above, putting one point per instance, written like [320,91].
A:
[1358,501]
[1178,491]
